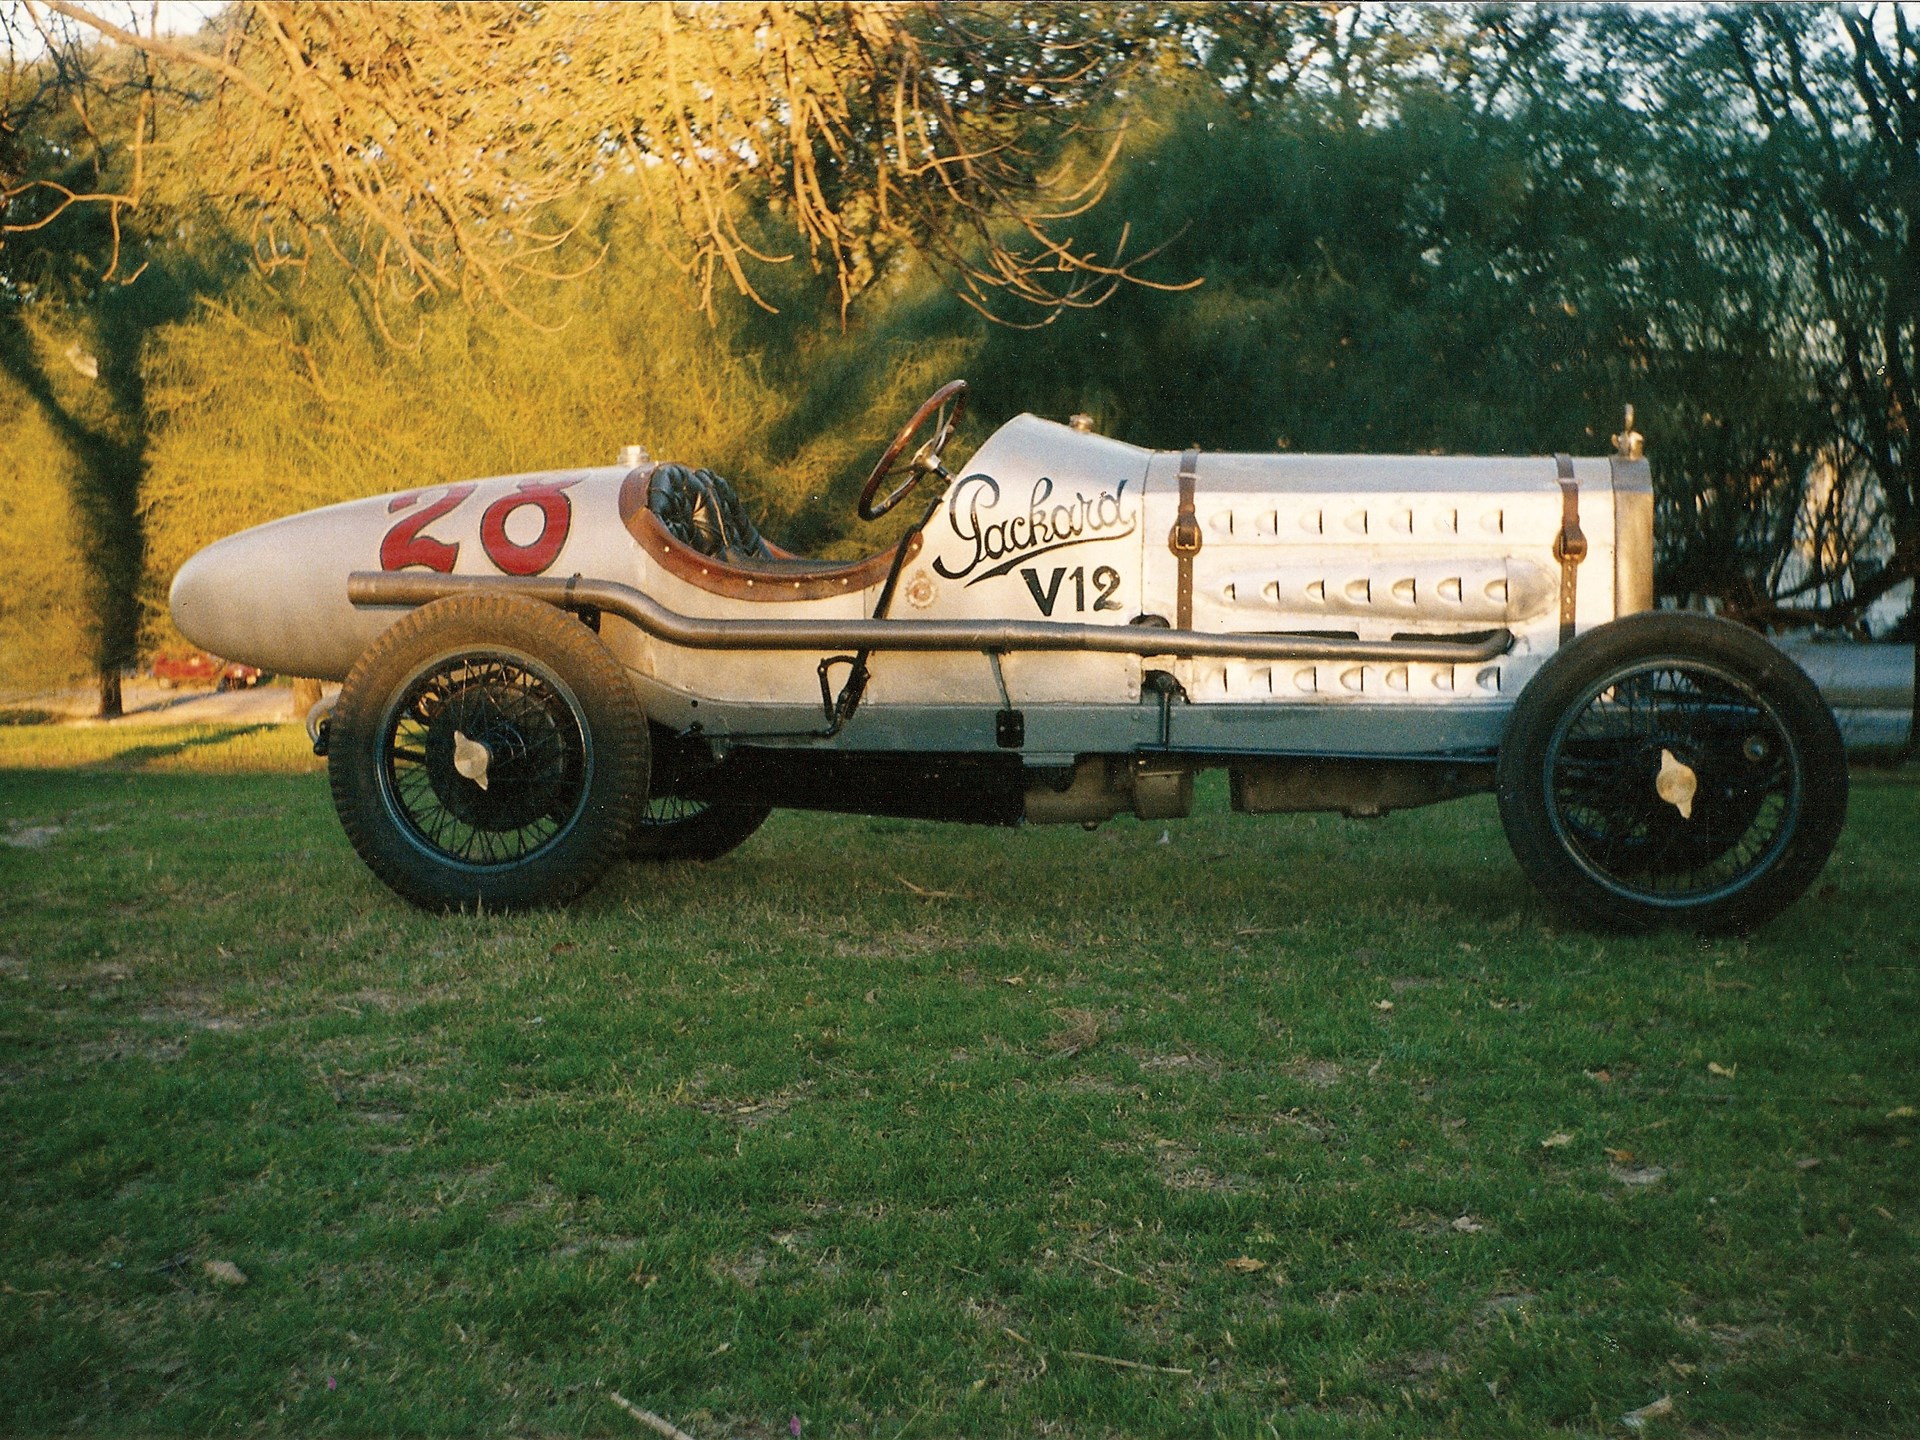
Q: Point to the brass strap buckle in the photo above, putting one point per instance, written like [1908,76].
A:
[1569,546]
[1184,541]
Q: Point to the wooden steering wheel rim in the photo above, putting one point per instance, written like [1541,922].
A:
[955,390]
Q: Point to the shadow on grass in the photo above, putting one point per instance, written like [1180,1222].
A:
[1221,872]
[136,757]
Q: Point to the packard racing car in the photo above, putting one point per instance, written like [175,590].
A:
[544,673]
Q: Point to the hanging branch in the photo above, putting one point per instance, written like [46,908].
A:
[454,148]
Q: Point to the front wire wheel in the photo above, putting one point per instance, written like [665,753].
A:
[485,759]
[488,751]
[1672,769]
[672,827]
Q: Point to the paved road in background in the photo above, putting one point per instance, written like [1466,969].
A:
[150,703]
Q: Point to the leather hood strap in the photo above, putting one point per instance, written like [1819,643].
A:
[1569,546]
[1184,540]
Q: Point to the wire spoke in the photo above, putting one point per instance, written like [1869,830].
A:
[1606,761]
[664,810]
[535,743]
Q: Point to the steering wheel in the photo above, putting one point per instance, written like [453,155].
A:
[925,460]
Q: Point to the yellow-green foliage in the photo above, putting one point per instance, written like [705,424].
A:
[44,609]
[282,398]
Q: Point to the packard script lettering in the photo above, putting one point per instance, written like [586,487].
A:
[1046,524]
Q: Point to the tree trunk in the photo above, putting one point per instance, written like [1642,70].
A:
[110,693]
[306,695]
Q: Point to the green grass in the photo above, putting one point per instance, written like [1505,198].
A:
[780,1137]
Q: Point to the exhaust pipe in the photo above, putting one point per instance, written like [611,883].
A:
[410,588]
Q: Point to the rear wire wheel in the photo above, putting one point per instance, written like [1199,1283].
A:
[672,827]
[488,751]
[1672,769]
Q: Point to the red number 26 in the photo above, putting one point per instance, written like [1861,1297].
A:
[405,544]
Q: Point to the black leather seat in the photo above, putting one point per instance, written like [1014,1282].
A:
[699,509]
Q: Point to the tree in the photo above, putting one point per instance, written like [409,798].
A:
[467,149]
[462,146]
[78,294]
[1804,128]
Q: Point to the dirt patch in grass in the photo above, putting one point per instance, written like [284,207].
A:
[1505,1302]
[744,1269]
[1078,1031]
[750,1111]
[1175,1060]
[199,1008]
[1320,1074]
[1305,1124]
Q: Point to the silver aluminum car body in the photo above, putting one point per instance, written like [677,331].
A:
[1045,525]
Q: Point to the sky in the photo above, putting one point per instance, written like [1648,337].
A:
[167,16]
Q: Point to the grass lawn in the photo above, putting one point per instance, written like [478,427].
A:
[1277,1126]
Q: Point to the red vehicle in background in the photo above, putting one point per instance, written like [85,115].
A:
[196,667]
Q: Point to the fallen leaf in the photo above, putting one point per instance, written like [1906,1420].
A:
[1246,1265]
[1605,1077]
[1467,1225]
[1637,1419]
[1618,1156]
[1013,979]
[1556,1141]
[924,893]
[1383,1004]
[1725,1072]
[1806,1164]
[873,997]
[1645,1175]
[1901,1112]
[224,1272]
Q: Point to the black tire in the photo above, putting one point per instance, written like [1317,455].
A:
[557,736]
[668,827]
[1590,736]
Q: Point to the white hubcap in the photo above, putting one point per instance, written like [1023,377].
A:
[471,759]
[1676,784]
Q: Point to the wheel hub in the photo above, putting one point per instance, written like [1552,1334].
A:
[491,757]
[471,758]
[1676,783]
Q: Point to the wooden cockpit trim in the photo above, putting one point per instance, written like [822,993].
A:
[738,582]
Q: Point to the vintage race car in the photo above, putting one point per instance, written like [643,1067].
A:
[545,673]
